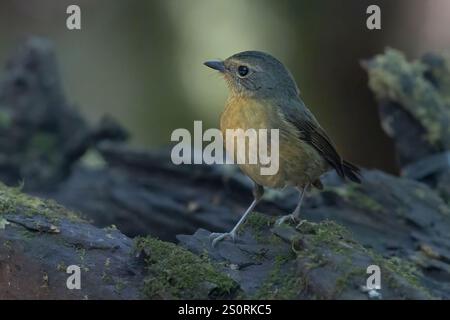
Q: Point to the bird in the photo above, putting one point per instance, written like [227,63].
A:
[264,95]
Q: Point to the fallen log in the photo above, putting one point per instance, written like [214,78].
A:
[398,223]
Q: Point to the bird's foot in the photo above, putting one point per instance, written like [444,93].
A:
[300,224]
[290,217]
[217,237]
[286,218]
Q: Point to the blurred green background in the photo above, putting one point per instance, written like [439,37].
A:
[141,61]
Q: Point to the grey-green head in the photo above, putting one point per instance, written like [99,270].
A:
[256,74]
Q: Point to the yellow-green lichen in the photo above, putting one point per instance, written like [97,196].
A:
[175,273]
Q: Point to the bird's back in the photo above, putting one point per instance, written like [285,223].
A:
[296,113]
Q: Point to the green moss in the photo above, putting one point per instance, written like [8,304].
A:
[328,247]
[285,282]
[178,274]
[439,69]
[43,147]
[61,266]
[338,250]
[343,282]
[93,159]
[27,234]
[428,197]
[120,285]
[284,258]
[445,209]
[340,241]
[258,223]
[7,244]
[354,194]
[333,235]
[420,193]
[281,284]
[3,223]
[332,240]
[13,201]
[397,267]
[44,142]
[393,78]
[405,269]
[5,119]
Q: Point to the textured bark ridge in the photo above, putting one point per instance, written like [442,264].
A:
[125,198]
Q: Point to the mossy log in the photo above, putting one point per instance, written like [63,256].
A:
[398,223]
[414,106]
[39,239]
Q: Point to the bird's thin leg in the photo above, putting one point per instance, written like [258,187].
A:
[257,193]
[295,215]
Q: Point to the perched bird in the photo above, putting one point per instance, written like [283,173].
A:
[264,95]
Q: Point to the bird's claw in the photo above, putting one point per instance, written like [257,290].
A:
[283,219]
[297,227]
[217,237]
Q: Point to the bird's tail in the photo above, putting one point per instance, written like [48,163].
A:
[351,172]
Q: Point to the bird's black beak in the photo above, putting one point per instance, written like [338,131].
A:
[216,65]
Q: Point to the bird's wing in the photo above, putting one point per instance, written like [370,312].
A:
[311,132]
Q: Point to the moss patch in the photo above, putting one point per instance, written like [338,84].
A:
[397,268]
[259,224]
[339,241]
[13,201]
[312,248]
[354,194]
[174,273]
[5,119]
[393,78]
[43,142]
[282,282]
[329,264]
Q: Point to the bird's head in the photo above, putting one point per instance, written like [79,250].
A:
[256,74]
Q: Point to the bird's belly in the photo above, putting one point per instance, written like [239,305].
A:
[298,163]
[301,162]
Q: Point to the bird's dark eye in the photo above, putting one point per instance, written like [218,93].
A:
[243,71]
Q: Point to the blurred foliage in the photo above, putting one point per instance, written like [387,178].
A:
[141,61]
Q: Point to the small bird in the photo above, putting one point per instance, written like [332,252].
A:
[263,95]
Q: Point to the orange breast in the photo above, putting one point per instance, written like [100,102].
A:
[299,163]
